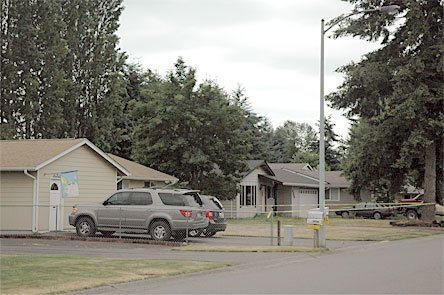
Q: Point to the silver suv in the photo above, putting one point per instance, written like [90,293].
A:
[163,213]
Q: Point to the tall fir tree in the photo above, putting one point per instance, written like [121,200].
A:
[398,91]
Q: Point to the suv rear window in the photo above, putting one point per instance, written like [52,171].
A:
[212,203]
[217,203]
[195,200]
[170,199]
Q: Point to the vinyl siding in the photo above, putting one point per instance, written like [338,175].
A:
[96,179]
[16,191]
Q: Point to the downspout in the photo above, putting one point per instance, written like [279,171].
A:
[37,199]
[119,179]
[34,200]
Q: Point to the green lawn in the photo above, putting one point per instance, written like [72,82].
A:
[56,274]
[356,229]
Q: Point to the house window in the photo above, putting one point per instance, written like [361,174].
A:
[148,184]
[119,185]
[248,195]
[332,194]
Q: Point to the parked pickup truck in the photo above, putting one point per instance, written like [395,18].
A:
[163,213]
[411,207]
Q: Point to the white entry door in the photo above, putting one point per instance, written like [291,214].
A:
[55,205]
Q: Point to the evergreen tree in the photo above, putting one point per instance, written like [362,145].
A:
[32,78]
[93,67]
[398,91]
[191,131]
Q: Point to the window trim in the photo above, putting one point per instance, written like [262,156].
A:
[328,194]
[243,196]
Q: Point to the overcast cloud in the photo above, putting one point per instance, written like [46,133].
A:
[272,48]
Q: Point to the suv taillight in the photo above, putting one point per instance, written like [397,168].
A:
[210,215]
[186,213]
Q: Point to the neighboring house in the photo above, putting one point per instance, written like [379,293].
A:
[140,175]
[31,172]
[289,187]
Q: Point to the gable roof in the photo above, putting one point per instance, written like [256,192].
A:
[291,166]
[33,154]
[336,179]
[141,172]
[294,178]
[253,164]
[304,174]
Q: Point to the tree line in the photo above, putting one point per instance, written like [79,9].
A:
[63,75]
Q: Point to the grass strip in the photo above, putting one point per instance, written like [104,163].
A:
[58,274]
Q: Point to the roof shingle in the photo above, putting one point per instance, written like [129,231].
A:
[141,172]
[31,153]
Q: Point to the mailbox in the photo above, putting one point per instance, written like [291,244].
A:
[315,217]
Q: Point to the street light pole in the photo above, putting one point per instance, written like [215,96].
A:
[390,9]
[322,143]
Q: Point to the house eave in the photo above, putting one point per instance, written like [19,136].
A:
[17,169]
[149,178]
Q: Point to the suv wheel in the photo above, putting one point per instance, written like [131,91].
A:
[377,215]
[345,214]
[194,233]
[412,215]
[160,231]
[85,227]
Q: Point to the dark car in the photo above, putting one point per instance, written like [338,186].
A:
[216,215]
[367,210]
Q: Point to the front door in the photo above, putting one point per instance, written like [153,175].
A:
[55,205]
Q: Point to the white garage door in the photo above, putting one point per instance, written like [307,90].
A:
[308,199]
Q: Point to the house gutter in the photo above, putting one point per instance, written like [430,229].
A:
[34,200]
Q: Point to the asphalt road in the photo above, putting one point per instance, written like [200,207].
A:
[412,266]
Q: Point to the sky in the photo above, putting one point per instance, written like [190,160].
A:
[269,47]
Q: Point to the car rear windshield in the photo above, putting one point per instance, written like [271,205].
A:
[195,199]
[213,203]
[191,200]
[170,199]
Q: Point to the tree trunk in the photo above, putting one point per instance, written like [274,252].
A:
[428,211]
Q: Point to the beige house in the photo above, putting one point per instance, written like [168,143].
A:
[30,181]
[289,187]
[140,175]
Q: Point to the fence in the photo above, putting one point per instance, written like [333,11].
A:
[107,221]
[143,222]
